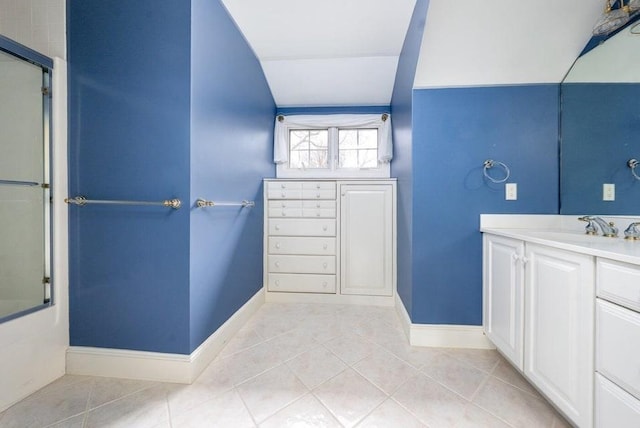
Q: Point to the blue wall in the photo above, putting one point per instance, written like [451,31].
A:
[402,166]
[231,151]
[129,139]
[454,131]
[165,101]
[600,133]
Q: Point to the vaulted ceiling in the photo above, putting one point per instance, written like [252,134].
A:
[326,52]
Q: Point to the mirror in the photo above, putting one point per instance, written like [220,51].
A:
[600,128]
[24,177]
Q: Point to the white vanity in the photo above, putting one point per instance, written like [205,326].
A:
[564,308]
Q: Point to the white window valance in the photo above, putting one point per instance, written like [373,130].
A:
[285,123]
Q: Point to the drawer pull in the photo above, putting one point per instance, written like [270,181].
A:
[317,186]
[284,214]
[324,265]
[283,186]
[277,227]
[284,205]
[318,195]
[325,246]
[318,214]
[318,205]
[284,194]
[277,264]
[278,245]
[324,228]
[277,282]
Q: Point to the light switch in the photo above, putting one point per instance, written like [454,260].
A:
[608,192]
[511,191]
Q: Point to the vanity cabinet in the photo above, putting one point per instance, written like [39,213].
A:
[538,311]
[617,345]
[330,237]
[503,279]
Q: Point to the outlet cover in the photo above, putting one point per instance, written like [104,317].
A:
[511,191]
[608,192]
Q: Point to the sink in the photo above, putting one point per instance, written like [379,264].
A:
[579,238]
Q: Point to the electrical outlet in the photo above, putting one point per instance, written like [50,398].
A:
[511,191]
[608,192]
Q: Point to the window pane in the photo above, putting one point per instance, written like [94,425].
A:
[308,148]
[319,139]
[298,159]
[368,158]
[348,138]
[317,159]
[368,139]
[299,140]
[348,159]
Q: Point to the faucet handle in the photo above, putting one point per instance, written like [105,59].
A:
[613,232]
[590,228]
[633,232]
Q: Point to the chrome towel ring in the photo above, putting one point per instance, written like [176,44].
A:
[490,163]
[633,164]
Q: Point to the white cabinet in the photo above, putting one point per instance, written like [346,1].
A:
[617,345]
[503,288]
[330,237]
[366,239]
[538,311]
[559,319]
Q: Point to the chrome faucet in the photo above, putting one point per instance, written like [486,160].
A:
[608,229]
[633,232]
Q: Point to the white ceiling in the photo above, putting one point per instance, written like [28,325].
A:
[326,52]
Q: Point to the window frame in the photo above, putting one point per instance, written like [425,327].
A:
[283,170]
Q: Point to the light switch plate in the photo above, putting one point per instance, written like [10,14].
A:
[608,192]
[511,191]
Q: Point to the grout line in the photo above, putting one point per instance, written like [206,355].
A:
[245,406]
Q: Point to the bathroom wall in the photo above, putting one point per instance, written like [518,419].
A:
[37,24]
[232,120]
[483,89]
[167,100]
[402,165]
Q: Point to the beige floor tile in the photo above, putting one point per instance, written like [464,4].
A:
[475,417]
[144,409]
[432,403]
[484,359]
[306,412]
[224,411]
[316,366]
[244,339]
[351,348]
[106,390]
[385,370]
[271,391]
[390,414]
[74,422]
[245,364]
[49,405]
[349,396]
[454,374]
[183,398]
[506,373]
[291,344]
[518,408]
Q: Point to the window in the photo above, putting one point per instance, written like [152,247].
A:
[333,146]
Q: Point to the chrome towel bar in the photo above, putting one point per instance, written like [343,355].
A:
[82,201]
[203,203]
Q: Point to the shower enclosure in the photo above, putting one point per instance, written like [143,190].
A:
[25,206]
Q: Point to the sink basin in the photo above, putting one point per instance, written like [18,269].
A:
[575,237]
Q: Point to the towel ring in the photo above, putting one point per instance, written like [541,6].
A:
[490,163]
[633,164]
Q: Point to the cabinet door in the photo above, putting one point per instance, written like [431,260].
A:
[503,292]
[366,239]
[559,320]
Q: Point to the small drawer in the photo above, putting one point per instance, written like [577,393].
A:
[285,212]
[614,408]
[302,283]
[619,283]
[285,204]
[301,227]
[302,264]
[319,213]
[284,194]
[618,345]
[319,193]
[302,246]
[319,205]
[319,185]
[283,185]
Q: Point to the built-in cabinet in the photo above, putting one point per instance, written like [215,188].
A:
[538,311]
[330,237]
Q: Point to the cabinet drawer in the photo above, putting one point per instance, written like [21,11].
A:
[618,345]
[302,264]
[285,204]
[319,205]
[302,246]
[284,194]
[615,407]
[619,282]
[301,283]
[283,185]
[319,194]
[285,212]
[319,213]
[319,185]
[302,227]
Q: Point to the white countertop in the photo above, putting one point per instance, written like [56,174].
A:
[564,232]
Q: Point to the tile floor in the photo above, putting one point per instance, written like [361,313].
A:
[299,365]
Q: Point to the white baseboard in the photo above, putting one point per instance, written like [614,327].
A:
[158,366]
[442,336]
[338,299]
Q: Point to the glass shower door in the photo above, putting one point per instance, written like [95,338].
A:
[24,192]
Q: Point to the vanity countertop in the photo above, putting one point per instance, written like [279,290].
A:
[550,232]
